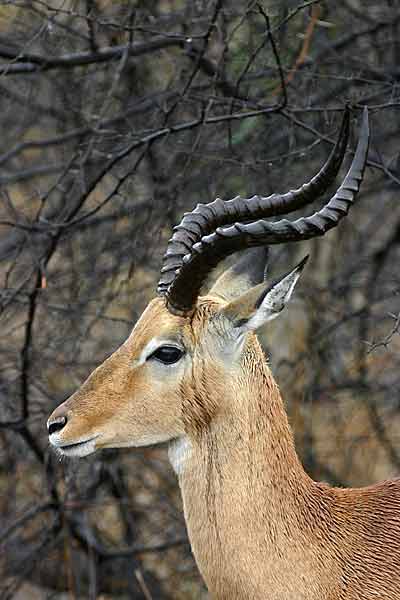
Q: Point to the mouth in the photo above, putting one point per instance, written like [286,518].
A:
[78,449]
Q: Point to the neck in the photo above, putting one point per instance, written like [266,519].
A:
[246,496]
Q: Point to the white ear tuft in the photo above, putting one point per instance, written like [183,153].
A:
[273,299]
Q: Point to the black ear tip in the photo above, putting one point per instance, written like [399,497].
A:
[302,263]
[365,120]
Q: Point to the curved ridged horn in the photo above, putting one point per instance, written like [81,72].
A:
[205,218]
[211,249]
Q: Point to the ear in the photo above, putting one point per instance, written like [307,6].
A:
[262,303]
[244,274]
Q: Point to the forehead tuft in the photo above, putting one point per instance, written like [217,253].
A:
[156,321]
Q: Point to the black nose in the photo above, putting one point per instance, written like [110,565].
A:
[56,424]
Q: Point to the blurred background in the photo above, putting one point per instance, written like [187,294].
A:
[116,117]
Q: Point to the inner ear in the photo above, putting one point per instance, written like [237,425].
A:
[243,275]
[262,303]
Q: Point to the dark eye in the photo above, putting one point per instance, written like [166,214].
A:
[167,354]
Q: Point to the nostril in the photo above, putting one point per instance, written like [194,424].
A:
[56,425]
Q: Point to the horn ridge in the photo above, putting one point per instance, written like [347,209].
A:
[185,285]
[205,218]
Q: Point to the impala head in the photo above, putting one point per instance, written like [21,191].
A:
[155,387]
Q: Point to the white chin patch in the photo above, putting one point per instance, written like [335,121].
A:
[76,450]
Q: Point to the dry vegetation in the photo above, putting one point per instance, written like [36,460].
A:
[116,117]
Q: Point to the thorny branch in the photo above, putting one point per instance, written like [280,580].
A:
[22,62]
[384,343]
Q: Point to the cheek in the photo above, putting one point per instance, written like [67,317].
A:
[155,404]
